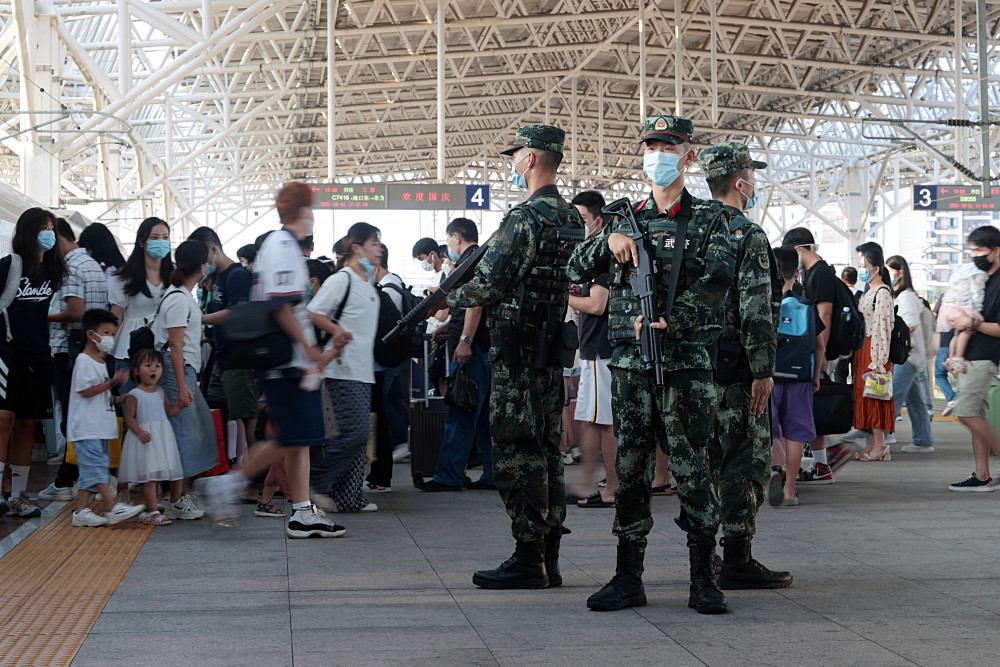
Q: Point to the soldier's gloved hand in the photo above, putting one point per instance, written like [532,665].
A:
[623,248]
[760,390]
[662,324]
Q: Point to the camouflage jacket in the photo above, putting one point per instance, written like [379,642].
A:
[509,260]
[707,274]
[754,302]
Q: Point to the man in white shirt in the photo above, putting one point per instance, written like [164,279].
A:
[281,279]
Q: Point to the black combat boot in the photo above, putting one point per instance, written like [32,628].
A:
[740,570]
[552,540]
[525,569]
[705,597]
[625,588]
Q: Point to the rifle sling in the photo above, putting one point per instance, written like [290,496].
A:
[675,263]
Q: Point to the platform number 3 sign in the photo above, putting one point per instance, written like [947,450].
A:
[924,197]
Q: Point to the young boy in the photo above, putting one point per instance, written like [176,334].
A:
[792,397]
[92,422]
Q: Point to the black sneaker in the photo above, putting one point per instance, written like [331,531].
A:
[480,485]
[312,523]
[818,474]
[973,483]
[434,485]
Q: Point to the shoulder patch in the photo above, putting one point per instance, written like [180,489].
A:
[763,260]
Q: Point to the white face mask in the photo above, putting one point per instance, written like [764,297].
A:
[426,264]
[105,343]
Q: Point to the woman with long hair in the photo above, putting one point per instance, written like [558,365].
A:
[25,386]
[98,240]
[138,285]
[347,308]
[177,332]
[909,380]
[871,414]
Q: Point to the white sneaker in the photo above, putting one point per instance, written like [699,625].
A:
[220,495]
[401,453]
[322,501]
[184,509]
[53,492]
[948,409]
[87,518]
[55,460]
[890,438]
[370,507]
[375,488]
[312,523]
[121,512]
[854,435]
[917,449]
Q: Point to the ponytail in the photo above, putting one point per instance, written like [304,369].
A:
[189,257]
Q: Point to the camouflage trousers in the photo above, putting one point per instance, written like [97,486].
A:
[683,409]
[526,424]
[740,455]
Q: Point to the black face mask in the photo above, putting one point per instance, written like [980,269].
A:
[982,262]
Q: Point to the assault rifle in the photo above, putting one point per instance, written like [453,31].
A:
[643,284]
[459,276]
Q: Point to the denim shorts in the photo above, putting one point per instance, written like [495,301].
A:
[296,414]
[93,460]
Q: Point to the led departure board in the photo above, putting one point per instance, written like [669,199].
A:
[954,198]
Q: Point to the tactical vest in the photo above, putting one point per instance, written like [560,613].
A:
[545,288]
[739,229]
[661,234]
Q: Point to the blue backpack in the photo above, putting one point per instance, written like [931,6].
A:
[796,340]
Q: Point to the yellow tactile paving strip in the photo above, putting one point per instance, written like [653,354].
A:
[55,583]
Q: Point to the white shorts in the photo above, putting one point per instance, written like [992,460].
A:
[593,398]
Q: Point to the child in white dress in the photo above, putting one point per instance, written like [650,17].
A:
[966,290]
[149,452]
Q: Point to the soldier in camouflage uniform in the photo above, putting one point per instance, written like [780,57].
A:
[685,406]
[522,283]
[741,449]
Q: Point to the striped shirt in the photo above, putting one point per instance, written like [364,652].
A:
[86,280]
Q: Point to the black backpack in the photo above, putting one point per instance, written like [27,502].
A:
[410,342]
[847,326]
[899,338]
[411,339]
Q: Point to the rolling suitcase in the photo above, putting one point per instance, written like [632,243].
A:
[427,417]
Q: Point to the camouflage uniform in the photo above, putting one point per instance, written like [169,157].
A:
[741,449]
[685,406]
[516,277]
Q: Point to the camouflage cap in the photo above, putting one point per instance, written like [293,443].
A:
[727,157]
[542,137]
[671,129]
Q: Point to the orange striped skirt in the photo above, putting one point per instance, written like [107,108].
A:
[870,412]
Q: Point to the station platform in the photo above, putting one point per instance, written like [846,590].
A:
[891,568]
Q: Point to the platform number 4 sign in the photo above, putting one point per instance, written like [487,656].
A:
[477,197]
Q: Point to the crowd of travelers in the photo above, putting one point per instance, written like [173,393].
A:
[137,350]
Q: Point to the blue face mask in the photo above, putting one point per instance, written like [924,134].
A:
[750,200]
[515,178]
[452,255]
[864,275]
[895,281]
[158,248]
[661,168]
[210,271]
[366,265]
[46,240]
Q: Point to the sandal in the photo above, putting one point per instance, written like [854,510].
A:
[665,490]
[594,500]
[155,519]
[267,509]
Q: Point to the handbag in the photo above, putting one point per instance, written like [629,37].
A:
[833,407]
[462,391]
[878,385]
[254,339]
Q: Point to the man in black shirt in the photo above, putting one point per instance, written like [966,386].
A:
[593,400]
[981,357]
[468,337]
[820,288]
